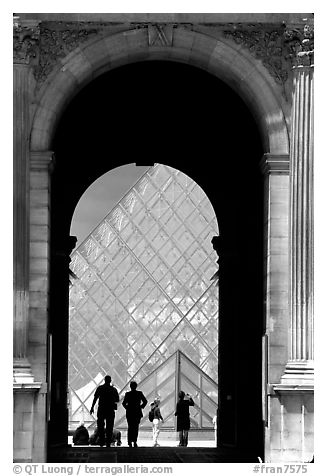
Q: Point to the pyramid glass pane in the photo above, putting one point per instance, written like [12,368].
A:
[142,294]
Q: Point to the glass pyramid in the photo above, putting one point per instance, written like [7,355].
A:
[163,382]
[143,294]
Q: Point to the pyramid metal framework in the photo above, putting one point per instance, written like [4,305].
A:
[143,294]
[176,373]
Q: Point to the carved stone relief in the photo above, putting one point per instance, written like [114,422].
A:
[277,47]
[300,44]
[160,35]
[57,43]
[266,45]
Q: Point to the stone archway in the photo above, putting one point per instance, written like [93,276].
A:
[69,151]
[226,61]
[229,62]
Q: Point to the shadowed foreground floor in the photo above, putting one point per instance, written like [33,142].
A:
[162,454]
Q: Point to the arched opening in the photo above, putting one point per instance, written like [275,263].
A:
[144,306]
[184,117]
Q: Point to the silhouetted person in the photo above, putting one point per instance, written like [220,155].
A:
[156,420]
[183,417]
[134,401]
[217,246]
[81,435]
[108,398]
[214,421]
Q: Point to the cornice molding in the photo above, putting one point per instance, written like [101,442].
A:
[23,378]
[273,164]
[42,160]
[291,389]
[27,387]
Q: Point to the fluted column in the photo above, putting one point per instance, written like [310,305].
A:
[21,216]
[25,40]
[22,79]
[301,216]
[25,383]
[299,369]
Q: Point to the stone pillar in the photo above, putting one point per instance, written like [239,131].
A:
[22,369]
[227,378]
[40,168]
[291,424]
[30,390]
[299,369]
[275,169]
[23,80]
[25,387]
[276,250]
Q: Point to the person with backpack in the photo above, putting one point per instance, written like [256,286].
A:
[134,402]
[183,416]
[155,417]
[108,398]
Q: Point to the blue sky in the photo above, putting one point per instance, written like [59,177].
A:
[101,197]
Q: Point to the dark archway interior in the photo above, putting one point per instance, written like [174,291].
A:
[184,117]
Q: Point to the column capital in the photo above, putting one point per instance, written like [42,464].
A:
[41,160]
[26,35]
[300,44]
[275,164]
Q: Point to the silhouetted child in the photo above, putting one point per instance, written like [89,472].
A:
[156,414]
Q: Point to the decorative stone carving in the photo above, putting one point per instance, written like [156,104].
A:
[160,35]
[57,43]
[300,44]
[26,39]
[275,46]
[266,45]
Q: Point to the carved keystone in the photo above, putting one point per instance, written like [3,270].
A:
[160,35]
